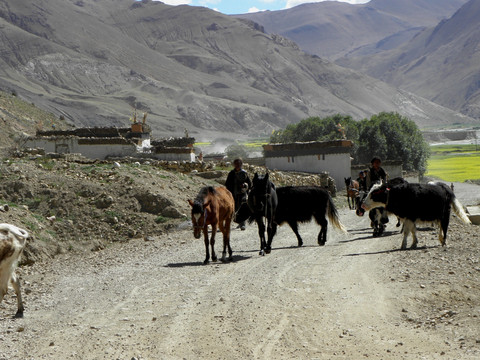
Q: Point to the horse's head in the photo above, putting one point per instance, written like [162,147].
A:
[261,190]
[199,210]
[348,181]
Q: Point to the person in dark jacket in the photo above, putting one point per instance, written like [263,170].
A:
[362,181]
[238,182]
[376,173]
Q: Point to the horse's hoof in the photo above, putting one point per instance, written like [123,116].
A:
[19,315]
[262,253]
[268,250]
[413,247]
[230,258]
[321,243]
[206,262]
[214,258]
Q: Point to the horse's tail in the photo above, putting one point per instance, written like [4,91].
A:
[332,214]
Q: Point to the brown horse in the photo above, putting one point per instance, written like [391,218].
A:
[353,187]
[215,207]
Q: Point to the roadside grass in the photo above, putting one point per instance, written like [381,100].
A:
[454,163]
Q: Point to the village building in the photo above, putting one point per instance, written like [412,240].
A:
[111,142]
[312,157]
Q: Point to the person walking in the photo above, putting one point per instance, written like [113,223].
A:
[238,182]
[375,173]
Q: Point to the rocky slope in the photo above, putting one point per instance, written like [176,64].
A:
[334,29]
[93,62]
[441,63]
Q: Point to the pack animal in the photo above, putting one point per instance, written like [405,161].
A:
[353,188]
[12,243]
[417,203]
[299,204]
[214,207]
[378,216]
[262,201]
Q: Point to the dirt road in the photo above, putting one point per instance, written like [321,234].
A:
[155,300]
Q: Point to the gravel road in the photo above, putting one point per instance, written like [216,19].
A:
[155,300]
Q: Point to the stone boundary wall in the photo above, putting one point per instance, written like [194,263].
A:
[217,170]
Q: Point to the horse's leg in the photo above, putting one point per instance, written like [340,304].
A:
[16,286]
[221,226]
[207,252]
[271,231]
[261,234]
[228,224]
[322,235]
[212,241]
[348,200]
[293,224]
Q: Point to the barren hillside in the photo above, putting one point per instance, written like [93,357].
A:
[441,63]
[188,67]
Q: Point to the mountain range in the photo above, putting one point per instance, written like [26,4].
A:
[332,29]
[441,63]
[93,62]
[427,47]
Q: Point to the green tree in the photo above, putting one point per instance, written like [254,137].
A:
[318,129]
[235,151]
[392,136]
[387,135]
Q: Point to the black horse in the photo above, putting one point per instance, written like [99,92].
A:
[262,201]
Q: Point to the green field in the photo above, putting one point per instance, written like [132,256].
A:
[454,163]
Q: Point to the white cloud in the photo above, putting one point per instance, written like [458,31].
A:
[254,10]
[292,3]
[176,2]
[209,2]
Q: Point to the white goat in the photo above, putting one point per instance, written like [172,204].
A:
[12,242]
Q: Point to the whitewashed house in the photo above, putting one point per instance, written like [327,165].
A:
[312,157]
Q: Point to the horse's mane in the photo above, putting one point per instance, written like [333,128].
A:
[199,200]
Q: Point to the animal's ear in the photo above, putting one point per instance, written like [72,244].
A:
[190,202]
[255,177]
[266,176]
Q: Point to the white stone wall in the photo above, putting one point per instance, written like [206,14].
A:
[70,145]
[337,165]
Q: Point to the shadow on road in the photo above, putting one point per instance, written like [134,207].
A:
[392,251]
[236,258]
[370,236]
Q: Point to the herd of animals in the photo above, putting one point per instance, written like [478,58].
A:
[270,206]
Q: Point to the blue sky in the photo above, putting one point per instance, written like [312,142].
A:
[244,6]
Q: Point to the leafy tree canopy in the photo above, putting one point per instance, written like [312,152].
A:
[387,135]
